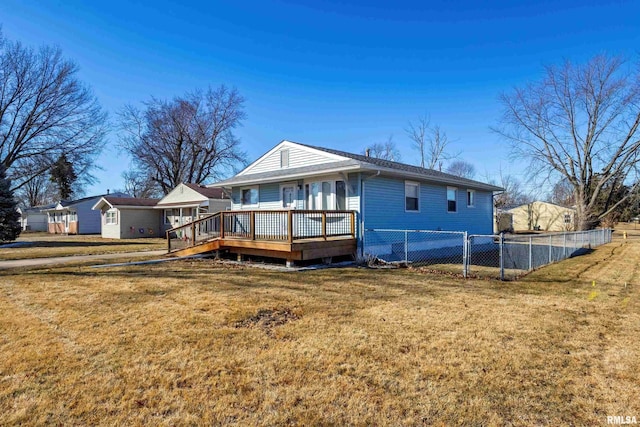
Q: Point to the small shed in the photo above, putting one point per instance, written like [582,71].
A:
[128,217]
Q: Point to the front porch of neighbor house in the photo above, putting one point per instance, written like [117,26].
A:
[293,235]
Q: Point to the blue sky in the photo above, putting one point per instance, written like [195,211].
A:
[340,74]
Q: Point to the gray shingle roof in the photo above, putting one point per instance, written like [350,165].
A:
[432,174]
[208,192]
[130,201]
[358,162]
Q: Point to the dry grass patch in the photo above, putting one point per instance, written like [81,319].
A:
[192,342]
[41,245]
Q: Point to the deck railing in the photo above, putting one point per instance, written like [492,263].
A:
[270,225]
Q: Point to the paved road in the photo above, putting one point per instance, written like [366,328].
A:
[37,262]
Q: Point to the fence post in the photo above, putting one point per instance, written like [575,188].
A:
[465,254]
[406,246]
[564,245]
[550,246]
[502,256]
[530,253]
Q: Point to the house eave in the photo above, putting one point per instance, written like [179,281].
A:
[284,177]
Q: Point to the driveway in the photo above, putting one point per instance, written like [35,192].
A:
[37,262]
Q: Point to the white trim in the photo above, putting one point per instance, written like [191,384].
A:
[455,198]
[250,205]
[296,194]
[113,211]
[473,198]
[417,184]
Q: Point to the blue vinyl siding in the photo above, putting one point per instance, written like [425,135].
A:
[385,208]
[268,196]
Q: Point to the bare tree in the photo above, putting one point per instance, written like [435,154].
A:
[562,193]
[45,112]
[431,142]
[188,139]
[137,184]
[384,150]
[580,123]
[462,169]
[37,191]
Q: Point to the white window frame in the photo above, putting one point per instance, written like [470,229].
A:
[455,199]
[250,205]
[417,185]
[111,213]
[471,193]
[293,185]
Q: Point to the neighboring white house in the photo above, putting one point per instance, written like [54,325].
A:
[75,216]
[187,202]
[34,219]
[128,217]
[543,216]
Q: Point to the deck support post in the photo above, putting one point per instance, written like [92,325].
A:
[290,263]
[239,258]
[324,225]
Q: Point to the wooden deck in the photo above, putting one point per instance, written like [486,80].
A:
[289,235]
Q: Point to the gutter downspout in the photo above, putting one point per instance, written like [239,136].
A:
[362,205]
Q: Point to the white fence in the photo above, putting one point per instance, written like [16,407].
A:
[505,255]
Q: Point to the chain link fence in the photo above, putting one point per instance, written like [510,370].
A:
[503,256]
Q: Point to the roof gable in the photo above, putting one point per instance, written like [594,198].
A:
[186,193]
[208,192]
[327,160]
[299,155]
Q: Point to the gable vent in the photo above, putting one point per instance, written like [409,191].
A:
[284,158]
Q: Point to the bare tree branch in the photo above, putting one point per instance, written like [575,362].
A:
[188,139]
[580,124]
[45,112]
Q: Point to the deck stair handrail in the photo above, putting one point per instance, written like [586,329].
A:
[271,225]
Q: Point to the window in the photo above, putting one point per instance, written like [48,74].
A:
[471,198]
[111,217]
[284,158]
[326,195]
[250,196]
[567,218]
[288,196]
[452,196]
[411,196]
[341,196]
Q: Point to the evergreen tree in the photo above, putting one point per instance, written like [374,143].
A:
[63,175]
[9,216]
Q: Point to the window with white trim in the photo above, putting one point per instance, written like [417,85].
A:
[111,217]
[452,197]
[249,196]
[471,198]
[411,196]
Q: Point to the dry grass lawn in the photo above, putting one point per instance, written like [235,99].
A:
[43,245]
[193,342]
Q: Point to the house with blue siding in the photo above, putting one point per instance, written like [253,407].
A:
[381,194]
